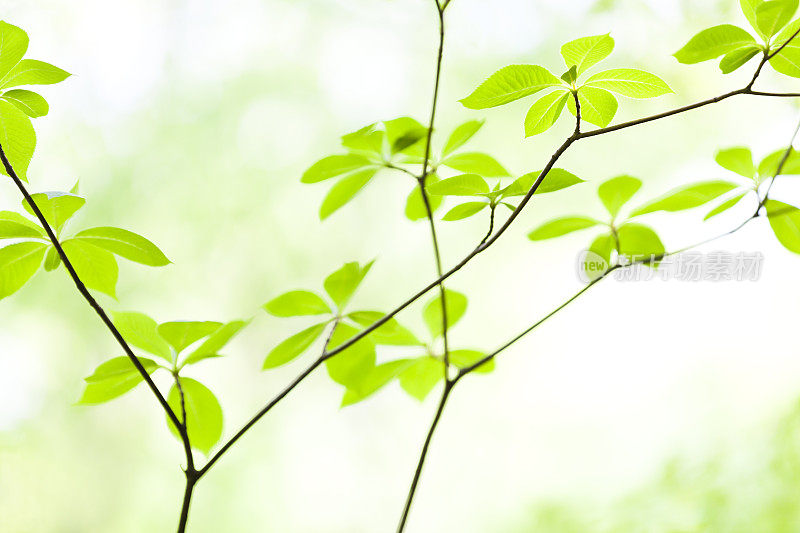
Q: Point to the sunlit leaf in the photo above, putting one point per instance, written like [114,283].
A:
[465,358]
[141,331]
[377,378]
[508,84]
[293,347]
[181,334]
[57,207]
[724,206]
[773,15]
[419,379]
[32,72]
[456,304]
[96,267]
[545,112]
[714,42]
[15,226]
[587,51]
[18,263]
[785,222]
[561,226]
[345,190]
[203,414]
[332,166]
[639,242]
[769,166]
[739,160]
[476,163]
[297,303]
[349,367]
[687,197]
[630,82]
[114,378]
[787,61]
[460,136]
[598,106]
[415,206]
[215,342]
[461,185]
[391,333]
[13,45]
[737,58]
[616,192]
[341,285]
[125,244]
[465,210]
[29,102]
[556,179]
[17,138]
[597,258]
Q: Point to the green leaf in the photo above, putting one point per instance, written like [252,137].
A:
[476,163]
[344,191]
[114,378]
[404,133]
[570,76]
[13,45]
[125,244]
[737,58]
[297,303]
[33,72]
[556,179]
[29,102]
[587,51]
[141,331]
[415,206]
[787,61]
[215,342]
[616,192]
[724,206]
[639,242]
[768,167]
[203,414]
[96,267]
[597,259]
[181,334]
[460,136]
[598,106]
[465,358]
[456,304]
[350,366]
[714,42]
[18,263]
[332,166]
[419,379]
[461,185]
[749,8]
[561,226]
[294,346]
[508,84]
[341,285]
[57,207]
[391,333]
[785,222]
[52,260]
[17,139]
[15,226]
[545,112]
[630,82]
[376,379]
[368,139]
[686,197]
[738,159]
[773,15]
[466,210]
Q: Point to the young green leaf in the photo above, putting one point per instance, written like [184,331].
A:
[787,61]
[114,378]
[181,334]
[377,378]
[556,179]
[465,358]
[460,136]
[294,346]
[586,52]
[686,197]
[141,331]
[33,72]
[368,139]
[456,304]
[639,242]
[57,207]
[630,82]
[598,106]
[29,102]
[561,226]
[344,191]
[203,413]
[96,267]
[125,244]
[17,138]
[768,167]
[332,166]
[419,379]
[350,366]
[724,206]
[714,42]
[15,226]
[52,260]
[461,185]
[391,333]
[773,15]
[737,58]
[785,222]
[508,84]
[465,210]
[215,342]
[739,160]
[297,303]
[403,133]
[18,263]
[13,45]
[415,205]
[341,285]
[616,192]
[545,112]
[570,76]
[476,163]
[597,259]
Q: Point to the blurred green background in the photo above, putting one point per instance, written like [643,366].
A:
[658,406]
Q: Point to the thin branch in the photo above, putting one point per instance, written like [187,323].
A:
[85,292]
[448,387]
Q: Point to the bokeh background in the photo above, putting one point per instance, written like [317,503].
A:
[652,406]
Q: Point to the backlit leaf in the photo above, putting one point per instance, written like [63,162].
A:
[465,210]
[29,102]
[785,222]
[476,163]
[345,190]
[57,207]
[114,378]
[17,138]
[460,136]
[15,226]
[508,84]
[181,334]
[96,267]
[724,206]
[598,106]
[587,51]
[461,185]
[561,226]
[545,112]
[349,367]
[739,160]
[125,244]
[294,346]
[203,414]
[18,263]
[714,42]
[616,192]
[419,379]
[341,285]
[456,304]
[465,358]
[33,72]
[297,303]
[630,82]
[687,197]
[141,331]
